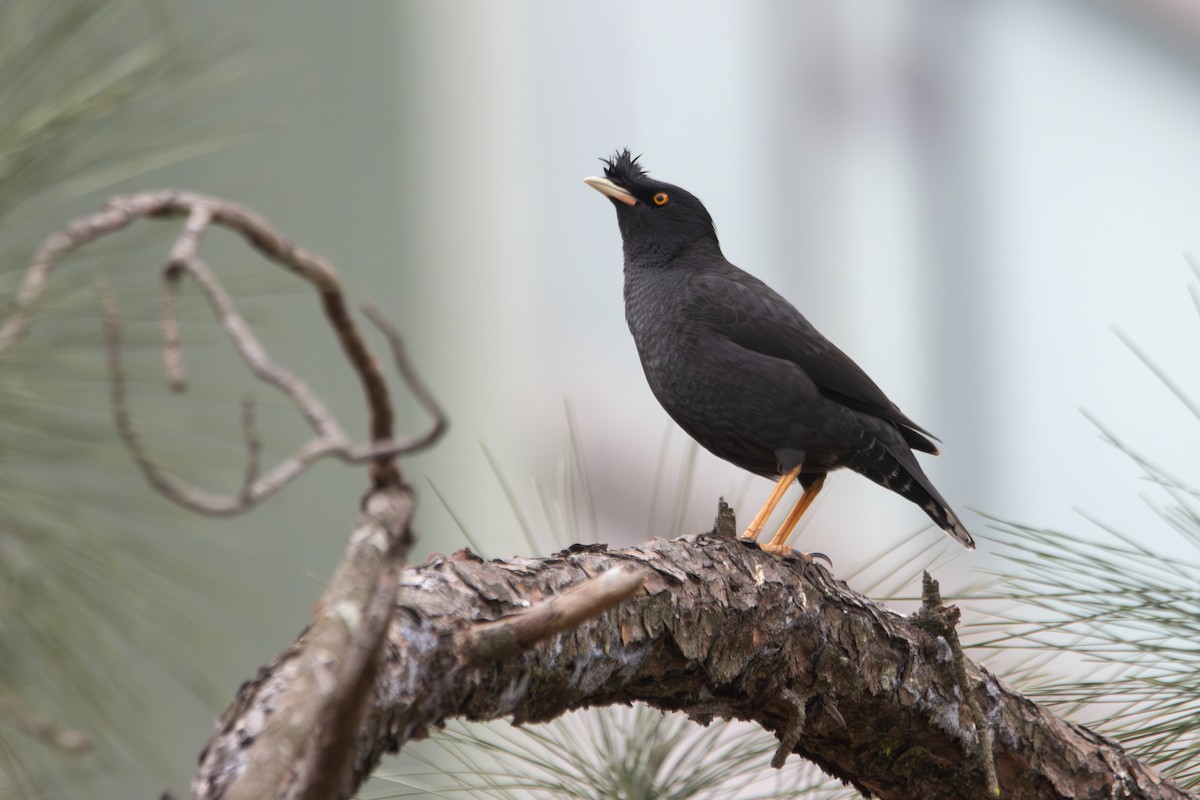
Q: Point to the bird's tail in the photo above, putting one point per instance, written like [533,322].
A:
[900,472]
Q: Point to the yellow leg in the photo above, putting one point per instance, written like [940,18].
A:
[778,543]
[764,513]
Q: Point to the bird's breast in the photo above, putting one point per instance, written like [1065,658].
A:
[697,374]
[654,310]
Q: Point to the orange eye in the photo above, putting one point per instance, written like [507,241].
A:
[660,199]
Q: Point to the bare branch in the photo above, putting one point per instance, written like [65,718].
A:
[50,252]
[329,440]
[172,346]
[255,355]
[187,246]
[253,446]
[301,749]
[379,404]
[414,383]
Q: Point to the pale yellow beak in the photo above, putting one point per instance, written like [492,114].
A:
[606,187]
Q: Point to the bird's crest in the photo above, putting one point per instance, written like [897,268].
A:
[623,168]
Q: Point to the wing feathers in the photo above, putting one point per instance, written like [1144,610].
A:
[751,315]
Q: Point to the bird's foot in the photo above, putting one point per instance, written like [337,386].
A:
[783,551]
[751,534]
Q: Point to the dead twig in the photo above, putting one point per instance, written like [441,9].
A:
[184,260]
[941,620]
[499,639]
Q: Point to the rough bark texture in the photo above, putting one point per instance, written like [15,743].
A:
[290,731]
[725,630]
[720,630]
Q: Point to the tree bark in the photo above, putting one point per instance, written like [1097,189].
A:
[720,630]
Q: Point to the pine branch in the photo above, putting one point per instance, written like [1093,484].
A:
[721,630]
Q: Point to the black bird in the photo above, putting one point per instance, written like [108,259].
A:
[742,371]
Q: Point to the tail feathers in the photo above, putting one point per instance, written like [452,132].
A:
[948,521]
[901,473]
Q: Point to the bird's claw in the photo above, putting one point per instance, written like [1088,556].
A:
[783,551]
[810,557]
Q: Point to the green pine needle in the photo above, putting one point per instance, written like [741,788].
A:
[91,589]
[1104,626]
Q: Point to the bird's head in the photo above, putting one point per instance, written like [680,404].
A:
[654,217]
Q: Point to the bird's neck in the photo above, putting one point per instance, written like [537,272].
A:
[655,254]
[656,282]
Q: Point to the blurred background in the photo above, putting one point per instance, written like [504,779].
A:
[965,197]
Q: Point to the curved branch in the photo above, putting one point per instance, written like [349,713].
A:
[725,630]
[184,260]
[414,383]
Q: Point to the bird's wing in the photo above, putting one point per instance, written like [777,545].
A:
[752,315]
